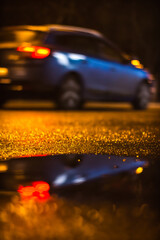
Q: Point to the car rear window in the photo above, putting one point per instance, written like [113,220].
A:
[19,36]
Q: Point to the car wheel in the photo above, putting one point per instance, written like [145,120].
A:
[70,94]
[142,97]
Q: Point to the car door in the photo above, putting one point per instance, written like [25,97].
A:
[77,51]
[116,76]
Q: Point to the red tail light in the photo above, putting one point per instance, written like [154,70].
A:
[36,52]
[38,189]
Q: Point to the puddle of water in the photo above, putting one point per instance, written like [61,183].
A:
[65,170]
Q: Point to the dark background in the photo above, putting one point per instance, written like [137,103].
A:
[133,25]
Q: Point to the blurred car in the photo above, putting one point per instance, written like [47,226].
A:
[69,65]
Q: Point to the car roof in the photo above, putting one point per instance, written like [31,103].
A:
[74,29]
[55,27]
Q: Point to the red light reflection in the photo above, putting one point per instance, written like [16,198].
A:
[38,190]
[41,186]
[36,155]
[26,191]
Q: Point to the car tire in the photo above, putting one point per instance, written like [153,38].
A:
[70,94]
[142,97]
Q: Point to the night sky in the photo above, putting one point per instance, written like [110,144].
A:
[132,25]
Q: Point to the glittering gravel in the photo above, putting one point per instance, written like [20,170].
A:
[108,128]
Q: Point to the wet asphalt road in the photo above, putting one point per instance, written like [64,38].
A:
[99,129]
[31,128]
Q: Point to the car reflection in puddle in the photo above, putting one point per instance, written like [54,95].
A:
[36,176]
[94,204]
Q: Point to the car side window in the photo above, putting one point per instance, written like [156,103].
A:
[76,43]
[107,52]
